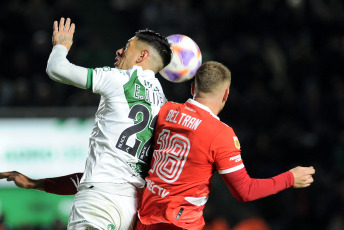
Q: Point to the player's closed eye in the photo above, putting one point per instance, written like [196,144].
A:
[126,47]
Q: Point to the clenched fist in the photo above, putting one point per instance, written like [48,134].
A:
[303,176]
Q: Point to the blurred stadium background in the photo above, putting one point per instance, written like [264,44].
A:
[286,102]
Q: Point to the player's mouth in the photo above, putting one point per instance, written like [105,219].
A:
[117,61]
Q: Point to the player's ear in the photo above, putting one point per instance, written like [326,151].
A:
[225,96]
[193,88]
[143,55]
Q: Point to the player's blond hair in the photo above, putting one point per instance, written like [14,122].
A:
[210,75]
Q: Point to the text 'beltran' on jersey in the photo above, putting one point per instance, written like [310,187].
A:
[183,119]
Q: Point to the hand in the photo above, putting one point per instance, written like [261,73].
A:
[302,176]
[63,33]
[23,181]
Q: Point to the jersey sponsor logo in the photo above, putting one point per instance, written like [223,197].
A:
[183,119]
[236,142]
[192,110]
[171,156]
[155,189]
[235,158]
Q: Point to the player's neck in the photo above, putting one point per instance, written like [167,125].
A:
[146,66]
[210,103]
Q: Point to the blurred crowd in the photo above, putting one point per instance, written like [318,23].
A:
[287,95]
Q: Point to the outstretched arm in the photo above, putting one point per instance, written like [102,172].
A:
[59,68]
[64,185]
[23,181]
[244,188]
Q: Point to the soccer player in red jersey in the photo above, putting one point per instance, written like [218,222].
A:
[191,144]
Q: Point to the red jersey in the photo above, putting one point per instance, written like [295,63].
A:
[191,143]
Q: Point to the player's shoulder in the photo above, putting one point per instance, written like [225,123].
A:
[225,127]
[118,76]
[137,71]
[107,70]
[219,128]
[225,136]
[106,80]
[146,77]
[228,129]
[171,104]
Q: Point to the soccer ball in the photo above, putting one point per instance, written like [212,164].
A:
[186,58]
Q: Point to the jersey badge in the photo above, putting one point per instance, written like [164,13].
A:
[111,227]
[106,68]
[236,142]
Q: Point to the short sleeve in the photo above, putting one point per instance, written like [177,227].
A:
[107,80]
[226,149]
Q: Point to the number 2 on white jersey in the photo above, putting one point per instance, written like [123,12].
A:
[171,156]
[137,128]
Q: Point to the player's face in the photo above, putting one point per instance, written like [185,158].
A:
[126,57]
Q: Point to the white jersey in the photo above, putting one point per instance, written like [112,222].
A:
[122,134]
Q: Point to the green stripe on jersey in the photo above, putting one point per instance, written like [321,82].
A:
[89,83]
[135,94]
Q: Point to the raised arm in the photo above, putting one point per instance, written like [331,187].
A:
[244,188]
[64,185]
[59,68]
[63,33]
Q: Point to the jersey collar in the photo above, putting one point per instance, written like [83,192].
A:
[192,101]
[139,68]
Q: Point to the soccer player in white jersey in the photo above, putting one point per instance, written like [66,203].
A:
[131,97]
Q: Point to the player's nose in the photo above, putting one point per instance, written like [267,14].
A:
[119,52]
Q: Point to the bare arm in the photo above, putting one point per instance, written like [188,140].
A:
[59,68]
[23,181]
[64,185]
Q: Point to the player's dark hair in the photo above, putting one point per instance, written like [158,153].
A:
[158,42]
[210,75]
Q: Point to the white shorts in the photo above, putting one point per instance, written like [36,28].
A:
[94,208]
